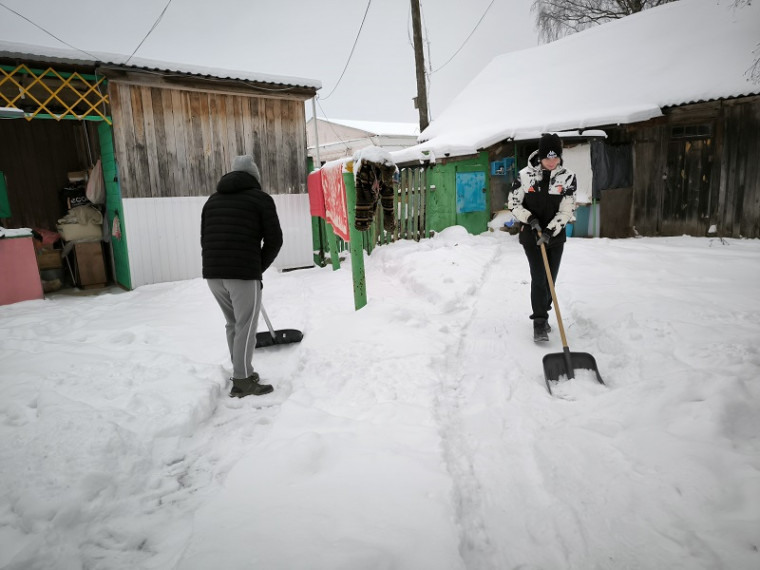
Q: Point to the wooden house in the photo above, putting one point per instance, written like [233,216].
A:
[659,112]
[164,134]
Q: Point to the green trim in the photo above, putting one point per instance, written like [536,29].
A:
[75,118]
[318,240]
[441,211]
[114,205]
[5,206]
[332,244]
[355,244]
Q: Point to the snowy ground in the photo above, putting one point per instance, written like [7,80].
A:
[415,433]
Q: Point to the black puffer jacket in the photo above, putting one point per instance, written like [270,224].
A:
[240,230]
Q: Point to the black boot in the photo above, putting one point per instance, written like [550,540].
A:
[249,386]
[540,330]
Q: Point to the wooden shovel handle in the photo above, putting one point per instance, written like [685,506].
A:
[554,293]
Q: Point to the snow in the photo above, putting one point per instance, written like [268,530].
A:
[380,128]
[76,56]
[622,72]
[414,433]
[374,154]
[15,232]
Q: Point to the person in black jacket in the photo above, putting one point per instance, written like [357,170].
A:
[240,238]
[543,200]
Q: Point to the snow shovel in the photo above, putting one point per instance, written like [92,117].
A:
[273,337]
[563,363]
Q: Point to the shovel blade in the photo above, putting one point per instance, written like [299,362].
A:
[565,363]
[282,336]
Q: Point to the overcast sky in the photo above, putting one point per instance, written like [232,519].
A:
[297,38]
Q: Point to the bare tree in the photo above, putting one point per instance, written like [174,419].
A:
[753,73]
[558,18]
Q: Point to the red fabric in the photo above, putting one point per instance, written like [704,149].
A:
[48,237]
[336,211]
[316,195]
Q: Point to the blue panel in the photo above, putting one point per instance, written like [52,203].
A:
[471,196]
[581,221]
[502,167]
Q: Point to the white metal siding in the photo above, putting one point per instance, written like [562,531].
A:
[578,159]
[295,220]
[164,234]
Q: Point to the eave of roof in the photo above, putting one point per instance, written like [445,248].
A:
[68,57]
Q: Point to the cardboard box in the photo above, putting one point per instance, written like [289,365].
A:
[90,264]
[49,258]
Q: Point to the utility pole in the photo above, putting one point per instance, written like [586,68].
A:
[419,62]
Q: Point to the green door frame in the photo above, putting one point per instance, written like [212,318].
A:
[114,207]
[476,222]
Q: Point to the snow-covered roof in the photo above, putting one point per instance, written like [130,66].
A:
[621,72]
[74,57]
[379,128]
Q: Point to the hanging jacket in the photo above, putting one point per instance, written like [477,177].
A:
[548,195]
[240,230]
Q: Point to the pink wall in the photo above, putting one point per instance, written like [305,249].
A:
[19,275]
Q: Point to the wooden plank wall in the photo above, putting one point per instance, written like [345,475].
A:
[174,142]
[410,204]
[36,157]
[684,186]
[739,211]
[649,155]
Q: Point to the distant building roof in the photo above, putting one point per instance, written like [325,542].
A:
[380,128]
[621,72]
[13,50]
[339,138]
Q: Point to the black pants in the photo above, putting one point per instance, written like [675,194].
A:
[540,296]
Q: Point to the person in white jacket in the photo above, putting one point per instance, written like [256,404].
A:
[543,200]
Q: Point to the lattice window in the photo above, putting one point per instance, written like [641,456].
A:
[691,132]
[49,93]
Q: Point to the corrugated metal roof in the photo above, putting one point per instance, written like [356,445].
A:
[621,72]
[27,52]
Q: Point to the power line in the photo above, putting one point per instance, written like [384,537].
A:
[51,34]
[332,127]
[466,40]
[96,58]
[153,27]
[369,3]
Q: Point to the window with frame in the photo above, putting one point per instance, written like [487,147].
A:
[704,131]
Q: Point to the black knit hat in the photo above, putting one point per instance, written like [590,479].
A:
[550,146]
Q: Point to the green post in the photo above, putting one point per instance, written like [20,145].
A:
[123,275]
[332,243]
[355,243]
[5,205]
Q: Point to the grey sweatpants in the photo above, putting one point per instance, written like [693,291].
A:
[240,301]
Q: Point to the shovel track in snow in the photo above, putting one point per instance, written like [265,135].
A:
[457,447]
